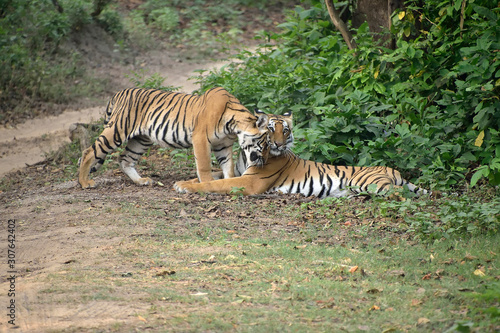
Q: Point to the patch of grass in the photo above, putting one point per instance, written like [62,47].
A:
[225,265]
[262,284]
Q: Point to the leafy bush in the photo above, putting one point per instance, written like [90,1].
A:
[32,67]
[139,79]
[112,22]
[426,108]
[447,217]
[165,19]
[208,26]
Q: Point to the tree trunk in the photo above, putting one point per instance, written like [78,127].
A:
[377,13]
[340,25]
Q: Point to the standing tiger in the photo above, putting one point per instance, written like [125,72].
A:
[288,173]
[212,121]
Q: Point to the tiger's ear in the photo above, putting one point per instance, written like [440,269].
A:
[258,112]
[262,121]
[289,117]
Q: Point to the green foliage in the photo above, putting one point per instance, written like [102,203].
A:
[165,19]
[445,218]
[488,294]
[140,80]
[195,24]
[32,66]
[112,22]
[237,192]
[429,107]
[137,30]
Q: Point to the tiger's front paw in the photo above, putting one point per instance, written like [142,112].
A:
[87,183]
[144,181]
[183,186]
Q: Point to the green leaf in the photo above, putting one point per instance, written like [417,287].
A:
[485,12]
[379,87]
[407,31]
[410,51]
[482,171]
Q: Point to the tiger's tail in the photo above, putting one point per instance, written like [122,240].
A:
[415,189]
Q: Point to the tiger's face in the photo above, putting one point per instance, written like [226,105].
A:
[253,143]
[280,136]
[256,150]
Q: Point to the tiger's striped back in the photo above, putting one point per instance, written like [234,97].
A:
[167,118]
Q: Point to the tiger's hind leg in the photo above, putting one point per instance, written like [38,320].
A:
[135,148]
[93,157]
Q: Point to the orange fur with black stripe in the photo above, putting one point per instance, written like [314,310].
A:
[288,173]
[209,122]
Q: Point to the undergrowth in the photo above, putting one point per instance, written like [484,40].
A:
[428,108]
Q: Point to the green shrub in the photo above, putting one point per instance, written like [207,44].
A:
[429,107]
[112,22]
[137,30]
[140,79]
[33,68]
[165,19]
[77,12]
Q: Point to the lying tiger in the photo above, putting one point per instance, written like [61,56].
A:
[285,172]
[212,121]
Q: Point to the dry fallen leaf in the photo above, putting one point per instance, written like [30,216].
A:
[416,302]
[427,276]
[441,293]
[245,297]
[142,319]
[448,262]
[479,272]
[470,257]
[328,304]
[353,269]
[374,308]
[346,261]
[422,321]
[199,294]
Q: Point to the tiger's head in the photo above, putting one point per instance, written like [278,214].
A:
[253,144]
[279,127]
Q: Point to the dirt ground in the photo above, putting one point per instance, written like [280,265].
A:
[61,230]
[58,228]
